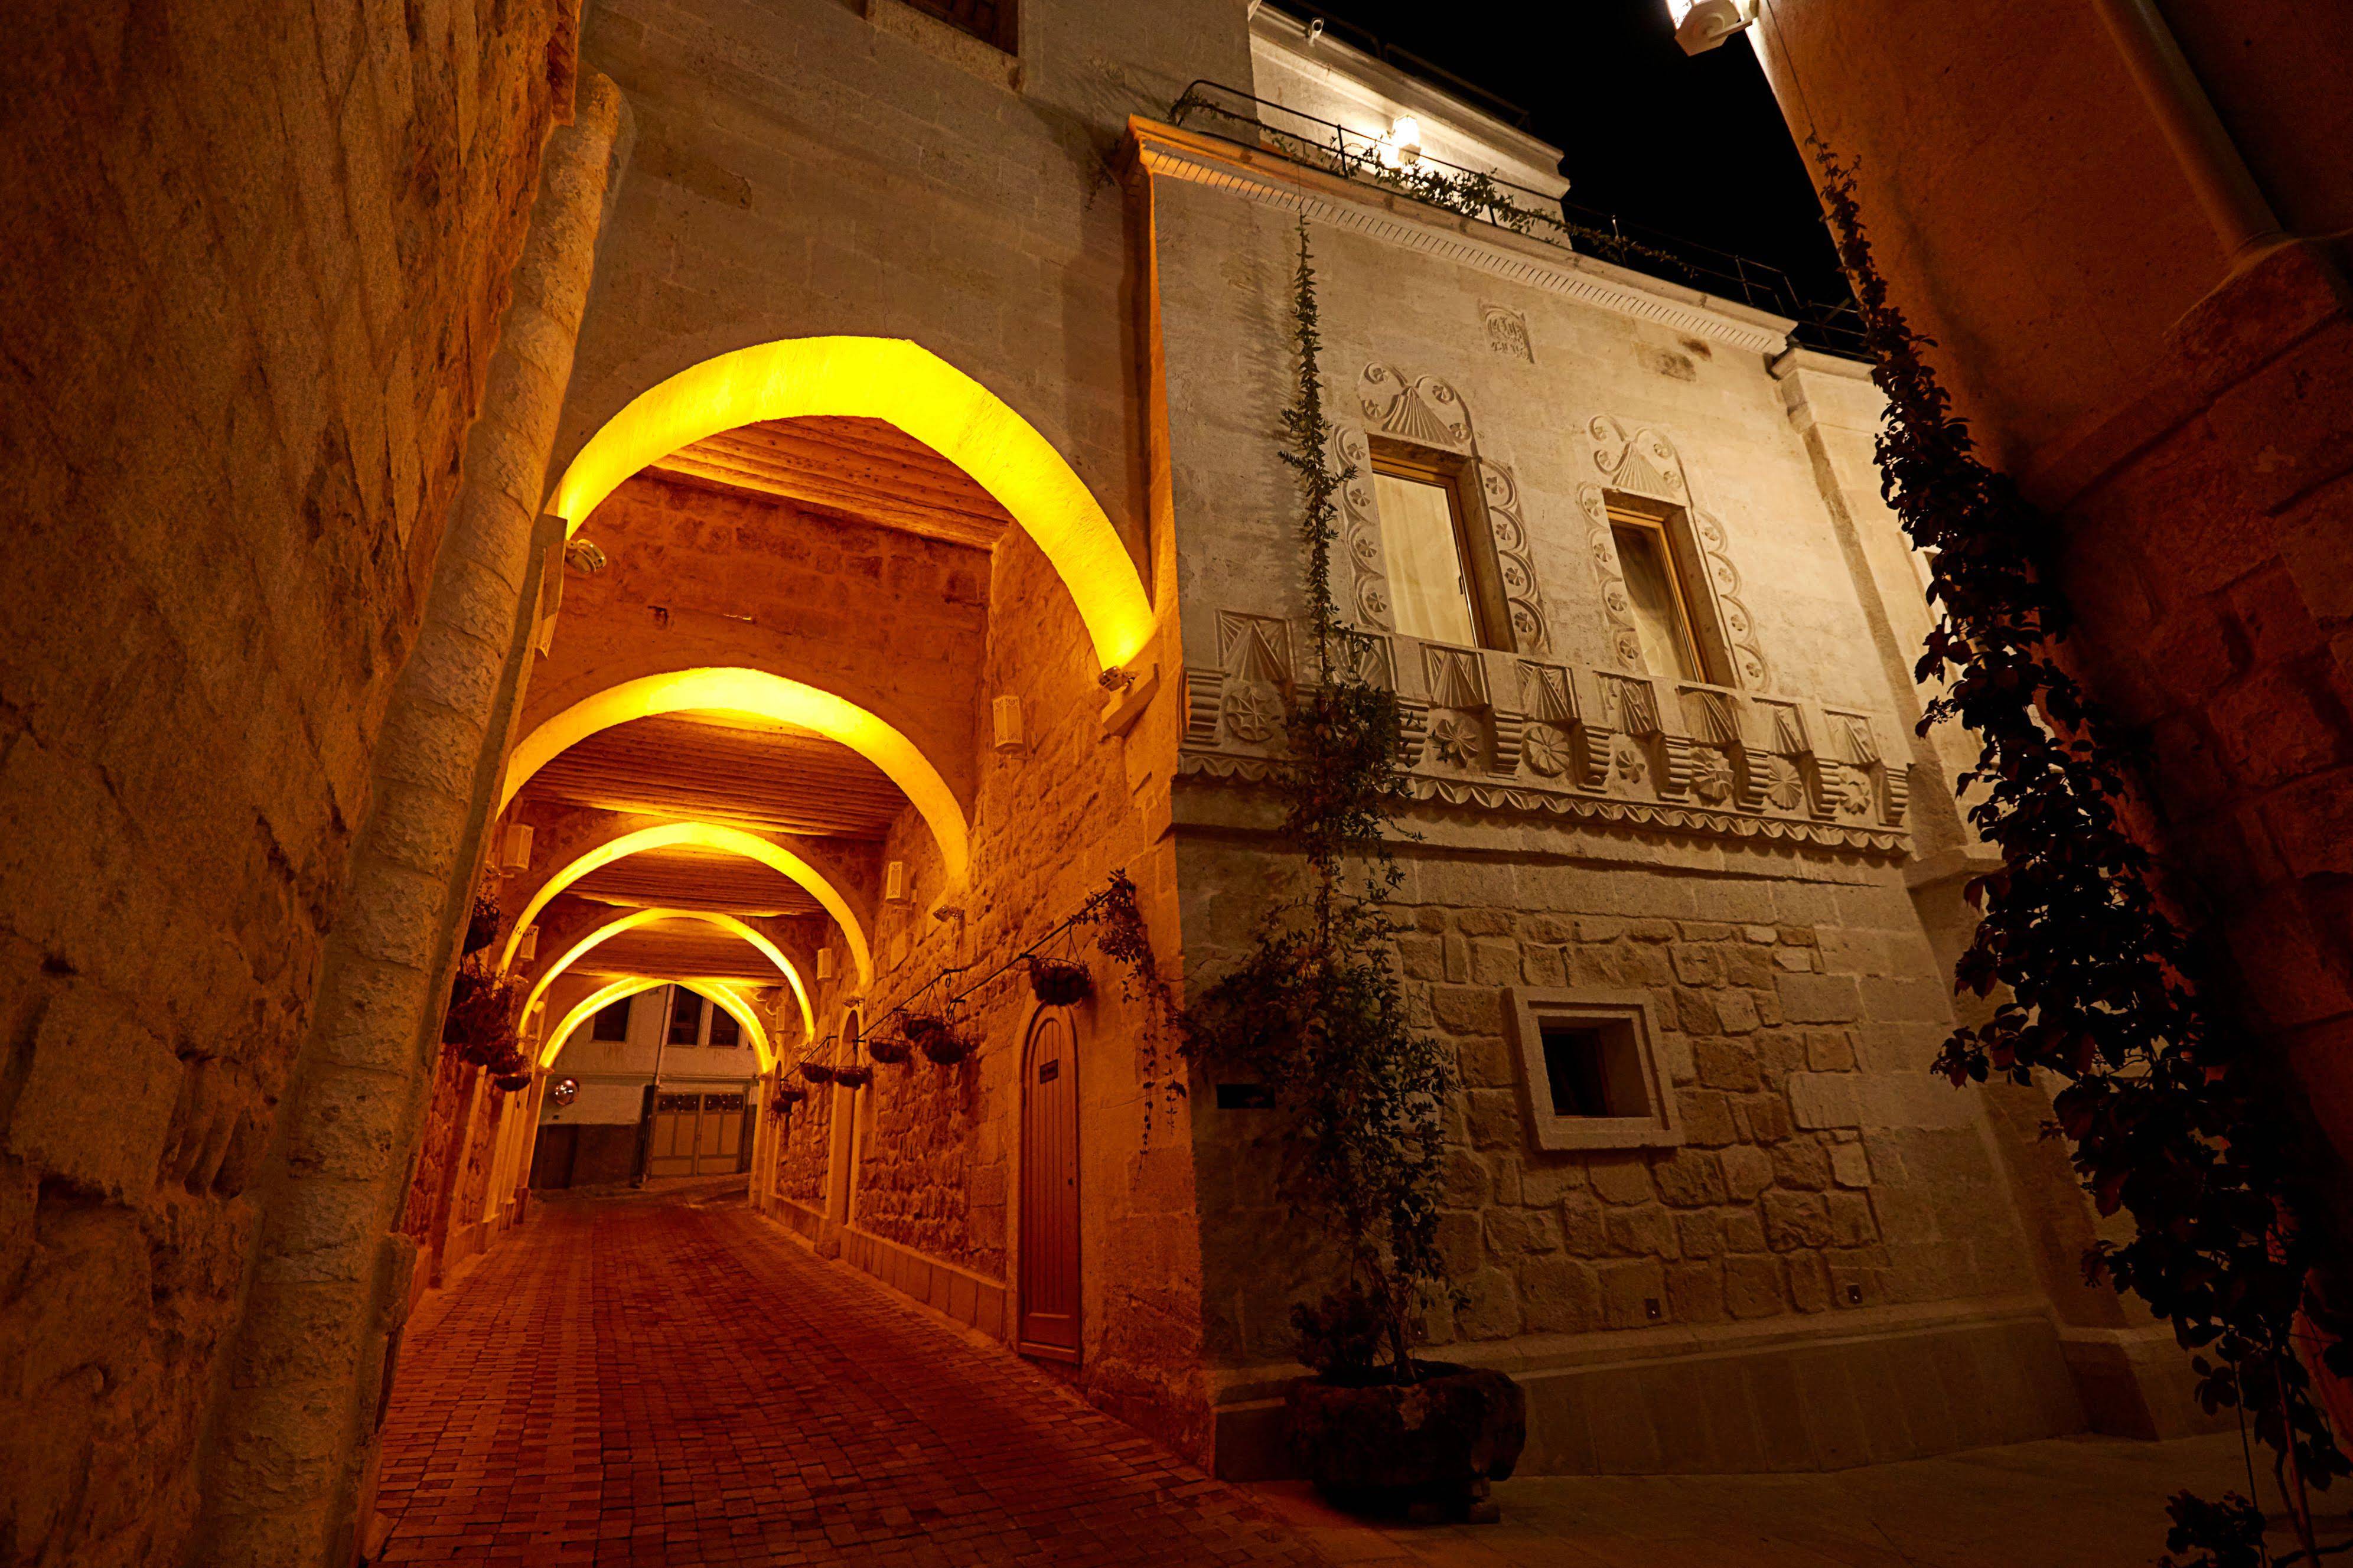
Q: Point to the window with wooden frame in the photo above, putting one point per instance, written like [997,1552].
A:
[685,1016]
[991,21]
[1672,619]
[1444,586]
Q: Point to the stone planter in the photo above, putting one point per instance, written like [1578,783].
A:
[1427,1449]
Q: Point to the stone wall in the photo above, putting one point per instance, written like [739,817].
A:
[258,255]
[801,1153]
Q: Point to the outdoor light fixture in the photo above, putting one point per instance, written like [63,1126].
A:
[1006,711]
[825,963]
[894,882]
[1401,148]
[1701,25]
[516,852]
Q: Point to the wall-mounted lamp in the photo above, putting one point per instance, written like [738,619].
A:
[894,882]
[1401,148]
[514,854]
[527,945]
[1007,712]
[825,963]
[1701,25]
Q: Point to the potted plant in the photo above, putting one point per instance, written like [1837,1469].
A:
[853,1074]
[919,1027]
[889,1048]
[482,1016]
[815,1071]
[1317,1012]
[784,1097]
[1059,983]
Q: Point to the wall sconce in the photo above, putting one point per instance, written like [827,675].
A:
[894,882]
[1401,148]
[1006,711]
[514,854]
[825,963]
[527,945]
[1701,25]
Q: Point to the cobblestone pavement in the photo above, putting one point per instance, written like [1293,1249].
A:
[661,1381]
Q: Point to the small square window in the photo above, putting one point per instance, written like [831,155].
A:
[1588,1068]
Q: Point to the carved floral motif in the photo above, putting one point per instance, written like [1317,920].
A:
[1785,786]
[1252,714]
[1507,332]
[1547,751]
[1713,779]
[1456,740]
[1645,464]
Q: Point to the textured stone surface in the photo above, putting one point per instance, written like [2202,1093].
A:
[256,257]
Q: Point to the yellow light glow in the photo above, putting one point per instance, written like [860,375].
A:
[708,836]
[597,1001]
[636,918]
[908,385]
[763,696]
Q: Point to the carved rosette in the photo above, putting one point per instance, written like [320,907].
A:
[1255,661]
[1507,332]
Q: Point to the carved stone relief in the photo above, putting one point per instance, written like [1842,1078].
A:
[1427,410]
[1507,332]
[1523,595]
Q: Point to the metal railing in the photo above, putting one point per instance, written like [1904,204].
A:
[1247,121]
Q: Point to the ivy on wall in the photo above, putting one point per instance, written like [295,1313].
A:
[1314,1011]
[2172,1116]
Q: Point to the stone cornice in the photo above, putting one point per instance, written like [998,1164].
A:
[1167,151]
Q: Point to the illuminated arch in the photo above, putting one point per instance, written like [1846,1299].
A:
[741,1011]
[908,385]
[763,696]
[708,836]
[636,918]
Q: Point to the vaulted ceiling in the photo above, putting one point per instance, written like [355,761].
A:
[867,468]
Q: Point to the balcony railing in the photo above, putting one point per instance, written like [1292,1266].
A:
[1246,120]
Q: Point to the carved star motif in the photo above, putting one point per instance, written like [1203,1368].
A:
[1252,714]
[1712,776]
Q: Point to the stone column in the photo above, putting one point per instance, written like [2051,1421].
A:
[290,1449]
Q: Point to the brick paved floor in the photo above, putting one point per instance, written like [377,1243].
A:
[662,1381]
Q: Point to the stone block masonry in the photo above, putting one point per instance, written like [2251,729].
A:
[257,258]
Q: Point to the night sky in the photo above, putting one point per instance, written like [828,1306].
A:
[1693,145]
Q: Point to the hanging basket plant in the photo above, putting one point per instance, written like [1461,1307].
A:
[889,1048]
[1059,983]
[481,923]
[784,1097]
[817,1071]
[948,1046]
[919,1027]
[482,1016]
[511,1082]
[856,1074]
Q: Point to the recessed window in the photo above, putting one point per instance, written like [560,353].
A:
[724,1030]
[685,1016]
[1670,620]
[1440,574]
[1588,1070]
[612,1022]
[990,21]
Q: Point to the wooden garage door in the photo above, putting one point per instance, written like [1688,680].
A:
[677,1119]
[1050,1190]
[722,1136]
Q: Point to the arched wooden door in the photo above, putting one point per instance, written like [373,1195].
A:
[1049,1189]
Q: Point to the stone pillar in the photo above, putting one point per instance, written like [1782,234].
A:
[289,1451]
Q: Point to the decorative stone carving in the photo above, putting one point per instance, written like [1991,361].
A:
[1601,549]
[1523,595]
[1455,740]
[1546,749]
[1426,410]
[1360,528]
[1203,696]
[1252,714]
[1713,779]
[1490,733]
[1645,464]
[1507,332]
[1455,677]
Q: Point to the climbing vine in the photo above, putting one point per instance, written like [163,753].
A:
[2164,1101]
[1314,1010]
